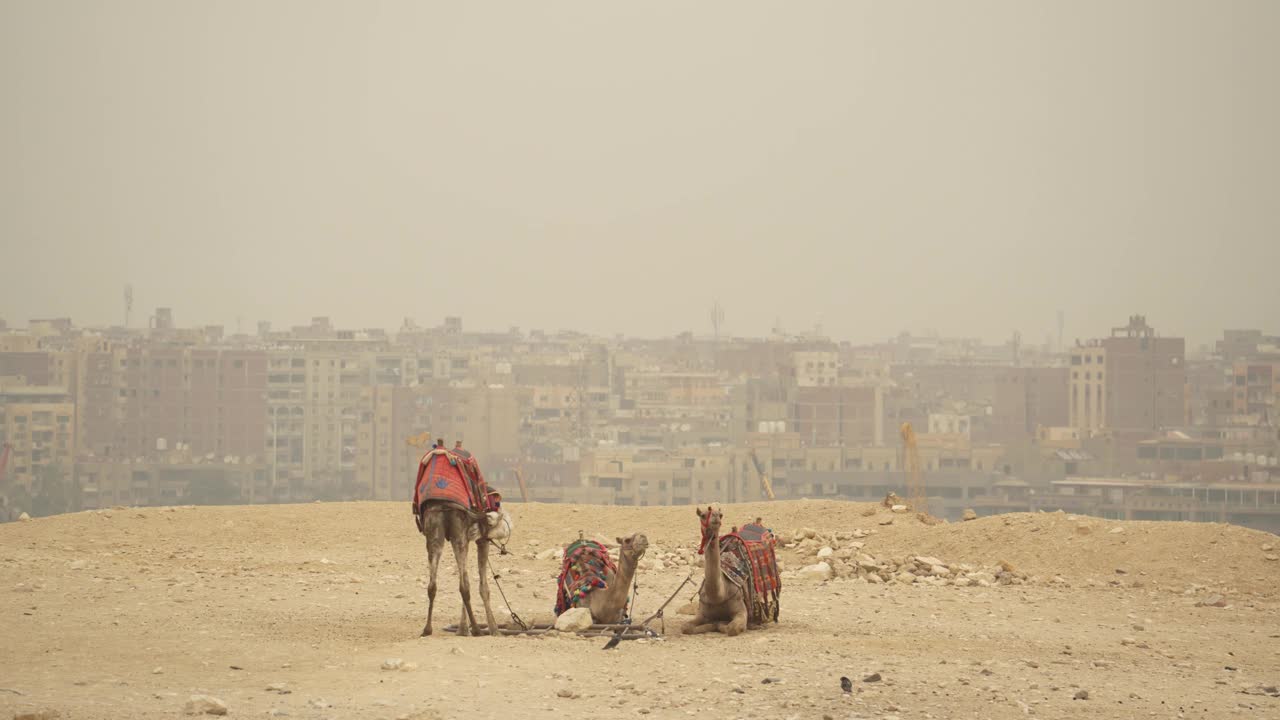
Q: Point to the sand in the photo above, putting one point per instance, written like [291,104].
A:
[130,612]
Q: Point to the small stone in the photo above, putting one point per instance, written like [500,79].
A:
[1081,695]
[77,565]
[278,688]
[818,571]
[392,664]
[1083,529]
[826,552]
[887,521]
[969,514]
[24,518]
[548,554]
[1272,558]
[566,693]
[873,677]
[205,705]
[574,620]
[1116,530]
[157,670]
[319,704]
[900,509]
[1213,601]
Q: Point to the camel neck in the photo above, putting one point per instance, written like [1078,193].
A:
[616,593]
[711,567]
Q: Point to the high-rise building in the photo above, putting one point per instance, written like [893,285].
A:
[37,426]
[1133,380]
[1028,398]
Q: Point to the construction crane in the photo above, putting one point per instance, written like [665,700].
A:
[524,490]
[916,496]
[764,476]
[420,440]
[4,465]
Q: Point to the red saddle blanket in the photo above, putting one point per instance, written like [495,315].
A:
[586,568]
[749,559]
[446,476]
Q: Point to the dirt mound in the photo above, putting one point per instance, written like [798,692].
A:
[295,609]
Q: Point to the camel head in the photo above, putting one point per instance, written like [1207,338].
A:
[632,548]
[711,520]
[498,525]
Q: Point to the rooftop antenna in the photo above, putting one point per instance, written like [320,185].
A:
[717,318]
[128,303]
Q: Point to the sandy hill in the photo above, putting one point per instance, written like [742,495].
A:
[130,611]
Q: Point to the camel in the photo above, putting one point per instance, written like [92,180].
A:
[443,521]
[608,605]
[721,606]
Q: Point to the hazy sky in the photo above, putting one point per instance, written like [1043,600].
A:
[970,167]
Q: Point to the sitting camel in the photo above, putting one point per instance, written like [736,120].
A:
[608,604]
[721,606]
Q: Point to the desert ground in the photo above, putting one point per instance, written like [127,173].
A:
[295,611]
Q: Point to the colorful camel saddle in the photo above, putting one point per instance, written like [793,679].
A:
[449,477]
[586,566]
[748,558]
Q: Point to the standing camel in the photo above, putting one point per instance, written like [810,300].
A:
[443,521]
[721,606]
[449,511]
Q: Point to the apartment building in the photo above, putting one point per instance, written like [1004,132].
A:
[37,429]
[1255,385]
[1131,380]
[838,415]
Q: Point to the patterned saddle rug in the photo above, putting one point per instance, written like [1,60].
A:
[447,476]
[586,566]
[749,559]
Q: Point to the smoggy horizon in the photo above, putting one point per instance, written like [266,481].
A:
[970,170]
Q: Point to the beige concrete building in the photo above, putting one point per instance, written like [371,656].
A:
[37,427]
[1088,399]
[816,368]
[1255,387]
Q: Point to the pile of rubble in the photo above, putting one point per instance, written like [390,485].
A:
[841,556]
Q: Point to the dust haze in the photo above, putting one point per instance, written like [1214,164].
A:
[971,168]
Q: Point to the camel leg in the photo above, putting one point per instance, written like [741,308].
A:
[468,621]
[736,625]
[698,625]
[738,622]
[482,559]
[435,549]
